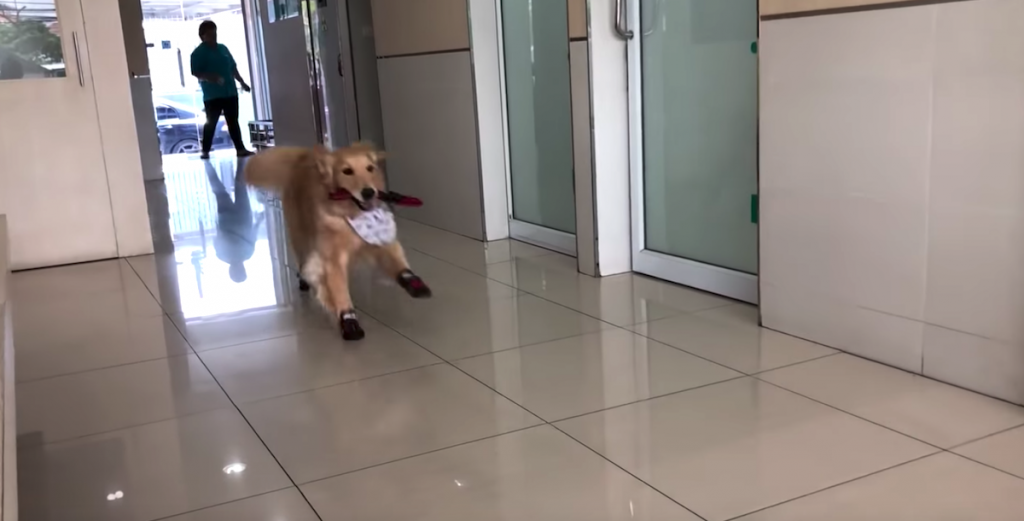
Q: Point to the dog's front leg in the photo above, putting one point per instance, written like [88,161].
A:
[391,258]
[336,280]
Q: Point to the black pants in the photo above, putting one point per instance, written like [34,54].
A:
[214,108]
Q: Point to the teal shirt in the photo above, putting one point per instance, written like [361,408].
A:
[205,60]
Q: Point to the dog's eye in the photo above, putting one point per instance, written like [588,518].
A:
[347,171]
[369,168]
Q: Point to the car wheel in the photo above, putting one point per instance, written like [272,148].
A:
[186,146]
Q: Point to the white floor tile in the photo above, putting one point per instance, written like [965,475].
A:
[742,347]
[930,411]
[939,487]
[1004,451]
[92,402]
[322,433]
[311,359]
[578,375]
[120,419]
[459,330]
[283,505]
[148,472]
[125,340]
[622,300]
[538,475]
[731,448]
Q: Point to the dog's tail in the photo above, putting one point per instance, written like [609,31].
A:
[273,168]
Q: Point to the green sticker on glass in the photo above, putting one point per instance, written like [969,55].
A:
[753,208]
[753,47]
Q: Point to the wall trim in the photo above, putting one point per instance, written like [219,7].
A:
[896,4]
[425,53]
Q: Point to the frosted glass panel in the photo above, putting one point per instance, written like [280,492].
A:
[700,129]
[536,44]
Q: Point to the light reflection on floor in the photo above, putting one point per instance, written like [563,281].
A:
[217,232]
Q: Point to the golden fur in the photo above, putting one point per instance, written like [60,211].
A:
[322,239]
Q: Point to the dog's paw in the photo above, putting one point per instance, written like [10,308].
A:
[414,285]
[303,285]
[350,328]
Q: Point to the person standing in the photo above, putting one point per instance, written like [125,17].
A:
[213,64]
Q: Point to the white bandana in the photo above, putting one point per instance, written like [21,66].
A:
[376,226]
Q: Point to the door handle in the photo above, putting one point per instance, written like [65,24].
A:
[78,58]
[654,19]
[340,73]
[620,21]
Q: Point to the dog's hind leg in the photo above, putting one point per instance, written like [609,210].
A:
[338,298]
[391,258]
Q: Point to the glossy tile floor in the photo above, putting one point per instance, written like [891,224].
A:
[199,384]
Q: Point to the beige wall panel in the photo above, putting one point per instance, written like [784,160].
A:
[419,26]
[775,7]
[577,18]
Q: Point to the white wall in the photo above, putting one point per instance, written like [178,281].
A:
[117,127]
[485,38]
[892,187]
[609,101]
[428,110]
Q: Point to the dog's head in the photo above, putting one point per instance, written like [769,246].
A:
[352,173]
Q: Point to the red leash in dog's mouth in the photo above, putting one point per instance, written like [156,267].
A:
[394,198]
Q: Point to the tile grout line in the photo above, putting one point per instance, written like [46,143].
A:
[751,375]
[649,399]
[794,364]
[613,326]
[547,423]
[431,451]
[628,473]
[127,427]
[628,328]
[193,511]
[985,437]
[242,415]
[983,464]
[104,368]
[851,480]
[848,413]
[941,450]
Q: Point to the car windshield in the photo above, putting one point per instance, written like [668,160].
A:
[167,109]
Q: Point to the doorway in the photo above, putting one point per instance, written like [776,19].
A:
[171,29]
[694,143]
[538,115]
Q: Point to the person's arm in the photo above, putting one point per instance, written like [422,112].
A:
[234,71]
[245,86]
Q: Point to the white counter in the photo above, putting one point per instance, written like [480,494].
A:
[8,433]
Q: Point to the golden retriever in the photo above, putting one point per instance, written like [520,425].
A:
[334,216]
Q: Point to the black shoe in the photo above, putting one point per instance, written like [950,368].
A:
[414,285]
[245,153]
[350,328]
[204,155]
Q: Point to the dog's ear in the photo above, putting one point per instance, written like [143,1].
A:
[377,156]
[324,160]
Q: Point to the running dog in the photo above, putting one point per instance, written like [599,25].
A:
[336,214]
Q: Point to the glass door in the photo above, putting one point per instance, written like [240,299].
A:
[693,117]
[535,41]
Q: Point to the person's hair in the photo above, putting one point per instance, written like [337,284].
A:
[207,25]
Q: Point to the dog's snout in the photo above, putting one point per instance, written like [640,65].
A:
[368,193]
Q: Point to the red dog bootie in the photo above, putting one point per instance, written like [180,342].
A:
[414,285]
[350,328]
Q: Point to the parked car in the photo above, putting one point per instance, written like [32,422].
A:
[180,129]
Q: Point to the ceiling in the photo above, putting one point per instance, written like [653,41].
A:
[185,9]
[162,9]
